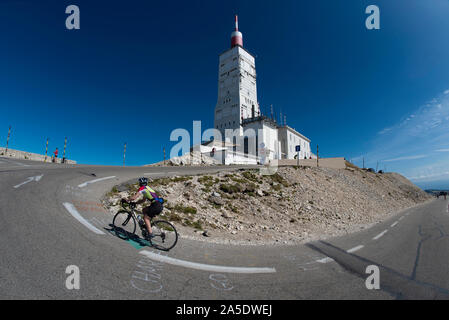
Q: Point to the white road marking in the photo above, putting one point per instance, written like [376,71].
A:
[82,185]
[401,218]
[21,184]
[204,267]
[325,260]
[394,224]
[354,249]
[37,178]
[380,235]
[71,208]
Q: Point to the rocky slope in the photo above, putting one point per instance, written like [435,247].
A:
[192,158]
[296,204]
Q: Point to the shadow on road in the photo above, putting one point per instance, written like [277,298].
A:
[127,236]
[132,238]
[397,284]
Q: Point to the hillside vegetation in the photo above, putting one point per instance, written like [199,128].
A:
[293,205]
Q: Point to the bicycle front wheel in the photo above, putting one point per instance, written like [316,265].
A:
[124,224]
[165,235]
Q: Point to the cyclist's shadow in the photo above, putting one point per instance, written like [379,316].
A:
[127,236]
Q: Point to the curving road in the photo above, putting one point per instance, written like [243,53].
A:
[41,235]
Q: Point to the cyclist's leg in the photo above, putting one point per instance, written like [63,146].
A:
[147,218]
[149,212]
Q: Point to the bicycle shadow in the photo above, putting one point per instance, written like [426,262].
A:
[132,238]
[127,236]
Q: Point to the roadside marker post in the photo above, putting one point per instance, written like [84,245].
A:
[124,154]
[65,145]
[7,140]
[46,150]
[317,157]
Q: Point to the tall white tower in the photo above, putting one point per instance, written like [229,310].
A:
[237,90]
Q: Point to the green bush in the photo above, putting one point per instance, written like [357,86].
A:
[230,188]
[132,187]
[232,208]
[250,176]
[239,180]
[250,188]
[171,217]
[197,225]
[205,179]
[277,178]
[180,208]
[160,181]
[181,179]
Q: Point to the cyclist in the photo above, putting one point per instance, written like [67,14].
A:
[155,207]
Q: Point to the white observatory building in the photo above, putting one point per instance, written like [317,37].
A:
[257,138]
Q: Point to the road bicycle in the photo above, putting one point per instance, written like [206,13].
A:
[124,223]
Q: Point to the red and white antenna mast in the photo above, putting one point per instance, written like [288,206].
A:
[236,36]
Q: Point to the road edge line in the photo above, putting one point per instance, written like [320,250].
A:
[204,267]
[72,210]
[82,185]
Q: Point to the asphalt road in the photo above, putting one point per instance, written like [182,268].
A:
[40,238]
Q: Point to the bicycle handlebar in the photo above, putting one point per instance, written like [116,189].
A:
[132,205]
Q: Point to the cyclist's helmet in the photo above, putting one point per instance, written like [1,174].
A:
[143,181]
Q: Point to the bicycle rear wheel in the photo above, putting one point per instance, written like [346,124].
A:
[165,235]
[124,224]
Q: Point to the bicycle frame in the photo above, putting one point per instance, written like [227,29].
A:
[132,210]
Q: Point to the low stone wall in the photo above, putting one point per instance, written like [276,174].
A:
[334,163]
[30,156]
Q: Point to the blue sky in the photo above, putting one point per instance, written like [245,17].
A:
[137,70]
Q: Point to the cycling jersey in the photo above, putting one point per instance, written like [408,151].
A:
[148,193]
